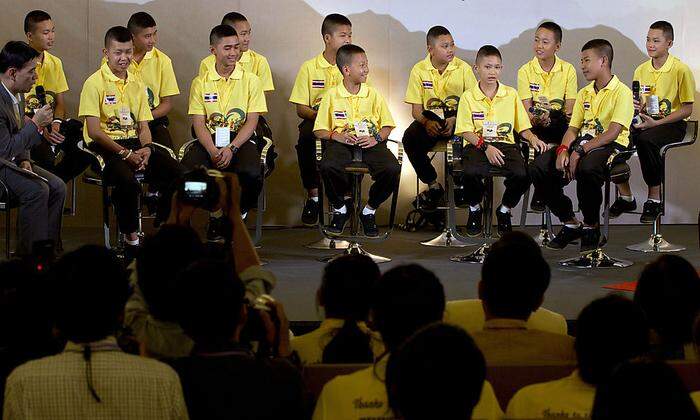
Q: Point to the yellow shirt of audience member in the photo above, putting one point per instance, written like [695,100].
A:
[593,112]
[250,61]
[50,75]
[362,395]
[673,84]
[566,398]
[469,314]
[556,85]
[119,104]
[340,110]
[427,87]
[310,346]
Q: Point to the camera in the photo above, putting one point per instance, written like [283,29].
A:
[200,189]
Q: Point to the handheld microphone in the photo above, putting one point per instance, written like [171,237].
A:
[40,95]
[635,94]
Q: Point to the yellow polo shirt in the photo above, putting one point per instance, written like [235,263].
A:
[104,95]
[340,109]
[696,399]
[315,78]
[506,110]
[673,83]
[156,72]
[251,62]
[557,85]
[469,314]
[566,398]
[427,87]
[310,346]
[50,75]
[593,112]
[226,102]
[362,395]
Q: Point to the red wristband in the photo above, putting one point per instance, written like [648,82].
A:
[562,148]
[480,144]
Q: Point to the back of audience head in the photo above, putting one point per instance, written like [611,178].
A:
[669,293]
[162,257]
[609,331]
[438,373]
[91,287]
[643,389]
[514,277]
[210,296]
[405,299]
[345,294]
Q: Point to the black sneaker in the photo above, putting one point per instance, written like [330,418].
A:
[460,197]
[590,239]
[622,206]
[309,216]
[475,222]
[131,252]
[215,229]
[565,236]
[537,203]
[151,203]
[338,222]
[504,225]
[369,225]
[430,198]
[652,211]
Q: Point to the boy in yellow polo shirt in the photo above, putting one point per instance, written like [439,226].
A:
[225,103]
[314,78]
[599,125]
[155,69]
[41,34]
[115,107]
[435,85]
[353,115]
[547,85]
[249,60]
[488,116]
[667,93]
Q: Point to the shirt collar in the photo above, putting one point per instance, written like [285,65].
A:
[237,73]
[362,93]
[109,75]
[246,57]
[666,67]
[505,324]
[108,343]
[479,95]
[14,97]
[322,62]
[428,65]
[539,70]
[612,84]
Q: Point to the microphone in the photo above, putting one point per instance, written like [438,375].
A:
[635,94]
[41,95]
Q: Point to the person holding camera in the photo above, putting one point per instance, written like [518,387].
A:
[40,193]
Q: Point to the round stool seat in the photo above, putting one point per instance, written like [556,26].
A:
[359,168]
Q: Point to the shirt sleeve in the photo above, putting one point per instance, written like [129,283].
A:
[464,116]
[12,409]
[522,120]
[168,83]
[686,90]
[414,90]
[469,78]
[89,100]
[571,84]
[300,92]
[256,97]
[144,111]
[202,66]
[577,114]
[385,118]
[624,108]
[523,84]
[265,75]
[196,105]
[323,117]
[61,83]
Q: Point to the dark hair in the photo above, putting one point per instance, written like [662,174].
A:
[345,54]
[602,47]
[434,33]
[551,26]
[140,20]
[163,256]
[332,21]
[233,17]
[666,27]
[34,17]
[609,330]
[118,34]
[405,299]
[210,295]
[437,373]
[91,289]
[643,389]
[514,277]
[345,294]
[16,54]
[221,31]
[668,292]
[488,51]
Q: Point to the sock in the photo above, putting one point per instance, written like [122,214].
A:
[314,199]
[434,185]
[151,194]
[475,208]
[573,225]
[628,198]
[244,215]
[654,200]
[503,209]
[588,227]
[347,198]
[217,214]
[367,210]
[133,243]
[341,210]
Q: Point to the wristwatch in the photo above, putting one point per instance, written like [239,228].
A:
[378,138]
[234,149]
[579,149]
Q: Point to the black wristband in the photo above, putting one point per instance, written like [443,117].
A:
[579,149]
[378,138]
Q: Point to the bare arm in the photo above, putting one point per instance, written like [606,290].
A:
[100,137]
[163,108]
[247,130]
[203,134]
[306,112]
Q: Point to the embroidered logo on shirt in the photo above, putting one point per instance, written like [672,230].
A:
[477,115]
[340,115]
[110,99]
[534,87]
[318,84]
[586,106]
[211,97]
[427,84]
[646,89]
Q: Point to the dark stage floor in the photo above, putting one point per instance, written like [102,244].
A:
[299,272]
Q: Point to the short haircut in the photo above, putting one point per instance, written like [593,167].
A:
[34,17]
[602,47]
[609,331]
[488,51]
[666,27]
[139,21]
[118,34]
[556,29]
[332,21]
[231,18]
[514,277]
[91,287]
[434,33]
[221,31]
[16,54]
[345,54]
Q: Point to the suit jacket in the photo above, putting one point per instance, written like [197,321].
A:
[14,142]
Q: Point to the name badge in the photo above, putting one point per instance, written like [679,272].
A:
[490,129]
[222,137]
[340,115]
[211,97]
[361,129]
[125,120]
[110,99]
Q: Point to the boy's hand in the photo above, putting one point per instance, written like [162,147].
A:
[538,144]
[494,156]
[345,138]
[433,128]
[135,160]
[638,106]
[366,142]
[223,157]
[145,154]
[449,126]
[573,164]
[26,165]
[53,136]
[647,122]
[562,161]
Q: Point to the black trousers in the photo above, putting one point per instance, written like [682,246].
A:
[245,163]
[649,143]
[590,176]
[306,156]
[160,133]
[74,160]
[162,172]
[383,168]
[417,143]
[476,166]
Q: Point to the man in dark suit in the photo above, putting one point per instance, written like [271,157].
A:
[40,194]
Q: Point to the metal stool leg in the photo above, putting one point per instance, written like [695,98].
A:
[105,215]
[328,243]
[656,243]
[479,255]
